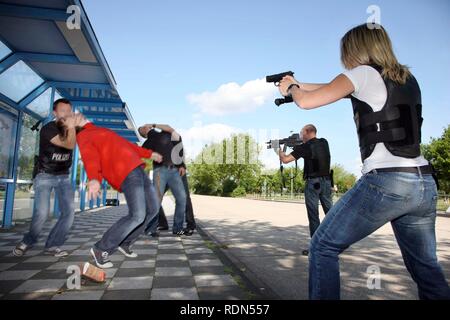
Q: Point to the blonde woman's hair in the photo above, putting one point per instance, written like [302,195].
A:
[364,46]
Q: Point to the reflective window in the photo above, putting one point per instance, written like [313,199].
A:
[41,105]
[4,51]
[8,127]
[2,200]
[57,95]
[18,81]
[23,202]
[28,148]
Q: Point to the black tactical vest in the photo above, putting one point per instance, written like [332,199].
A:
[397,125]
[318,165]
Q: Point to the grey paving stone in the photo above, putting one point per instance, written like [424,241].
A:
[174,294]
[5,266]
[208,280]
[173,282]
[42,259]
[197,250]
[205,263]
[17,274]
[138,264]
[130,294]
[171,257]
[127,283]
[222,293]
[79,295]
[39,286]
[173,271]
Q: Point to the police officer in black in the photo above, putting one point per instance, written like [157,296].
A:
[52,172]
[169,174]
[316,172]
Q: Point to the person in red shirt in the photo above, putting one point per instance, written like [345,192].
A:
[108,156]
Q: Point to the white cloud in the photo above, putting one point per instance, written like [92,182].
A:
[234,98]
[195,138]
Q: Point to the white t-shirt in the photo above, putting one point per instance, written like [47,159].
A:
[370,88]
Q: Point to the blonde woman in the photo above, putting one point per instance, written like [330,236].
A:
[397,185]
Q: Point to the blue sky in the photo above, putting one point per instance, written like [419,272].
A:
[170,59]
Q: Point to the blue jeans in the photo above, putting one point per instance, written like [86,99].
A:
[408,201]
[43,185]
[163,176]
[142,207]
[317,189]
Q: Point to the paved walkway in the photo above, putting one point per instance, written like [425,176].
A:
[265,240]
[167,268]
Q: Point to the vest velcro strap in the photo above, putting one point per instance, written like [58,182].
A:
[384,115]
[391,135]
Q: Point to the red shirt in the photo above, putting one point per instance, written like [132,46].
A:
[107,155]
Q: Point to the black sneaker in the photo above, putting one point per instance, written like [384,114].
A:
[305,252]
[101,258]
[179,233]
[155,234]
[163,228]
[188,232]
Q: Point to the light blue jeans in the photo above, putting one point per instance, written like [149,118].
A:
[163,176]
[43,185]
[142,205]
[408,202]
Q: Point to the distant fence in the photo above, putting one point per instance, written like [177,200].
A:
[442,204]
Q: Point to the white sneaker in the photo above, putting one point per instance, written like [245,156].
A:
[57,252]
[127,252]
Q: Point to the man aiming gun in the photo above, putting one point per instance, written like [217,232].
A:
[316,172]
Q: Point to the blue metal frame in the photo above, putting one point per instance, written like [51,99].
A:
[83,179]
[11,187]
[33,12]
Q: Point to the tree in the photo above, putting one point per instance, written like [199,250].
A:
[225,166]
[343,179]
[438,153]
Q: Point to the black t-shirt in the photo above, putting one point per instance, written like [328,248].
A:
[316,153]
[52,159]
[161,142]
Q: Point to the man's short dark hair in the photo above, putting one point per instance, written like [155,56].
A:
[61,100]
[310,128]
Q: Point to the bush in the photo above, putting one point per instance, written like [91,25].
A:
[239,192]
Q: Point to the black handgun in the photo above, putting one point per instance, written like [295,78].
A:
[276,78]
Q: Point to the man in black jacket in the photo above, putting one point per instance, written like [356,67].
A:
[170,174]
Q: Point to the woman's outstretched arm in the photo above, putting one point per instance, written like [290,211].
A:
[325,94]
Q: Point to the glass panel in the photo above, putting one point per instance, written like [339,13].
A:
[57,95]
[41,105]
[4,51]
[23,202]
[8,129]
[27,149]
[2,200]
[18,81]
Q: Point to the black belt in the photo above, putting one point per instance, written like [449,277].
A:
[423,169]
[326,177]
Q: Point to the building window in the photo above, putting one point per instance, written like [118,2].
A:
[8,129]
[4,51]
[28,148]
[18,81]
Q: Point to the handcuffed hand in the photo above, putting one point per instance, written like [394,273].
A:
[93,189]
[156,157]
